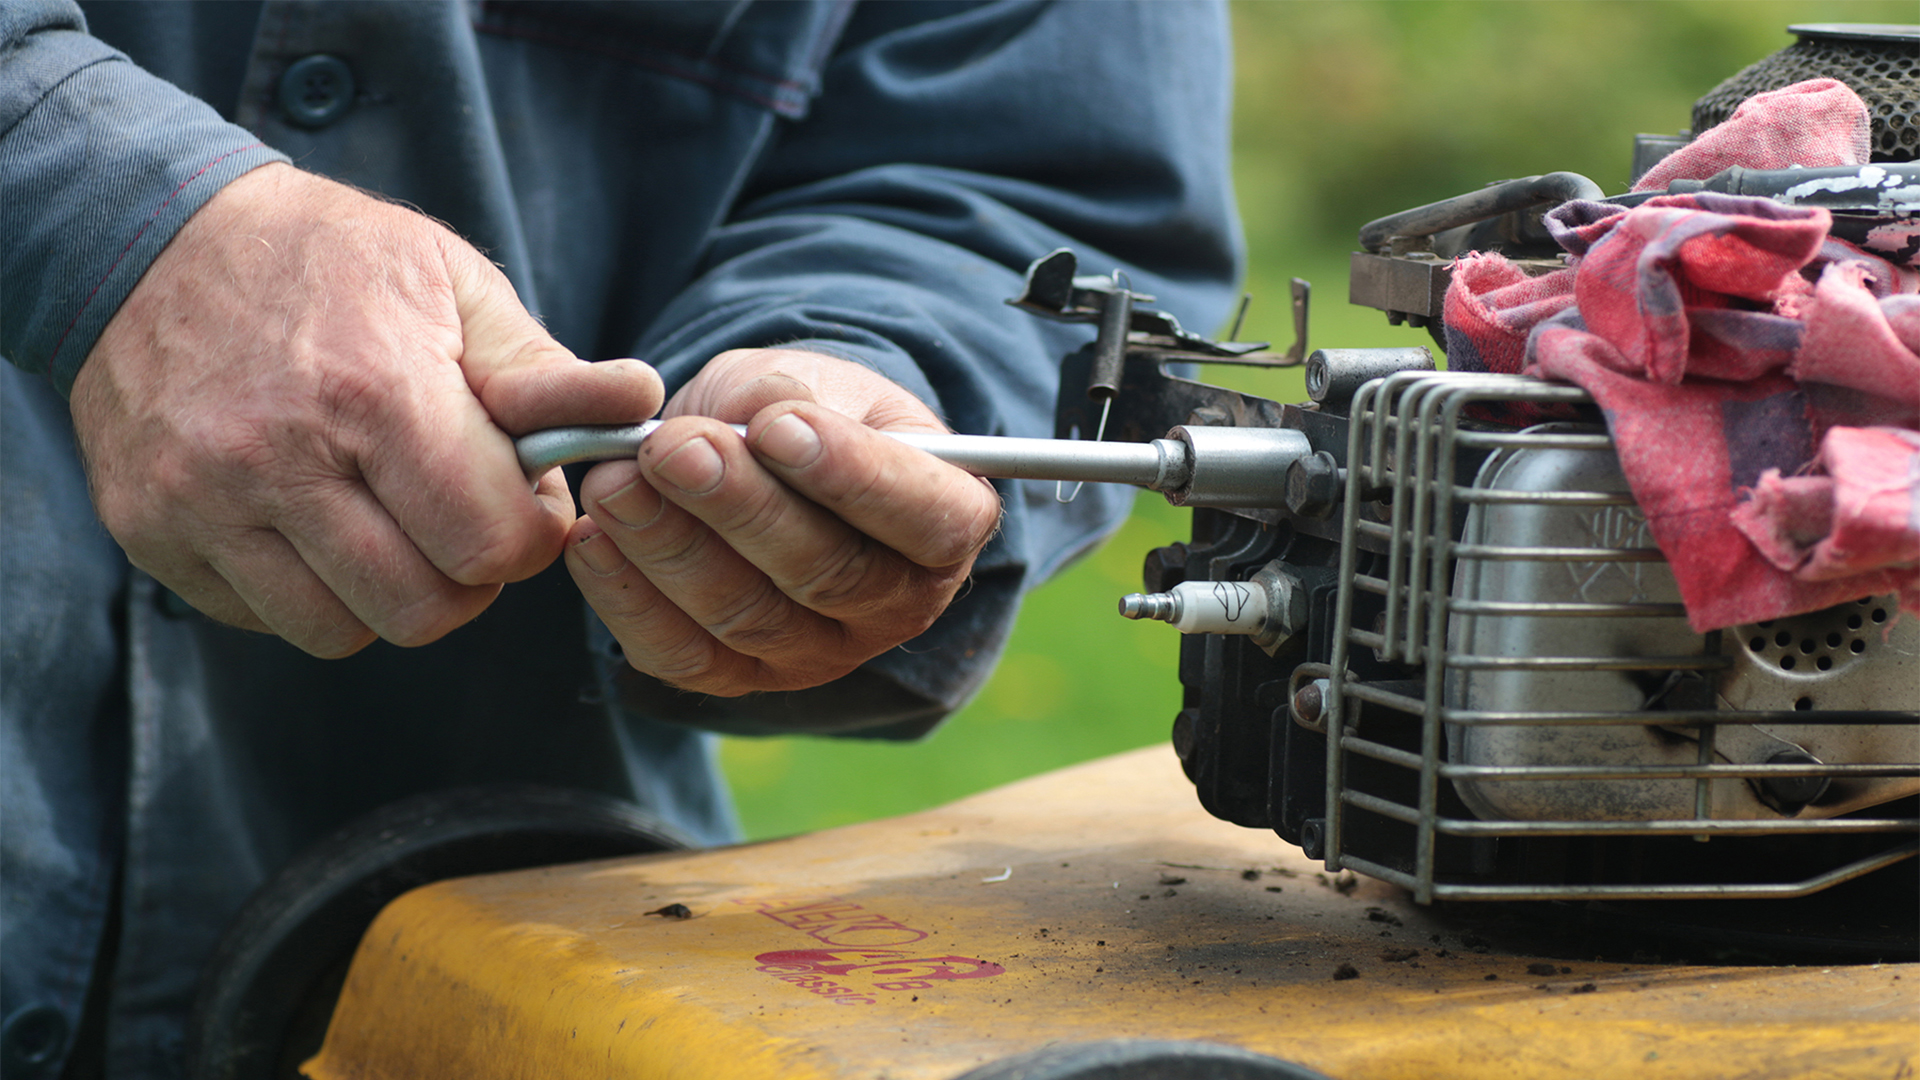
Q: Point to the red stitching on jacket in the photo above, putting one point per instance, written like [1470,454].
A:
[138,233]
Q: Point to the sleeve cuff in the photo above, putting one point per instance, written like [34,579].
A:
[95,180]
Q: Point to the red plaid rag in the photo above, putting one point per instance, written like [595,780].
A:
[1811,124]
[1726,339]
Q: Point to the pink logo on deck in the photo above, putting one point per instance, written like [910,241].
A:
[867,952]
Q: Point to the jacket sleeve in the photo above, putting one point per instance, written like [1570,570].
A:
[100,164]
[950,145]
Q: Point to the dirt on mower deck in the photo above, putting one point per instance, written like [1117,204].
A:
[1094,903]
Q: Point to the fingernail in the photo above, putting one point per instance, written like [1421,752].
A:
[695,467]
[790,441]
[601,555]
[634,506]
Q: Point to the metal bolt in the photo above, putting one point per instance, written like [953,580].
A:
[1309,703]
[1791,793]
[1313,485]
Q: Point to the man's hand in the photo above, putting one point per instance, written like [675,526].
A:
[784,560]
[299,419]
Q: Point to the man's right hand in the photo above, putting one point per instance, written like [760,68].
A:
[300,418]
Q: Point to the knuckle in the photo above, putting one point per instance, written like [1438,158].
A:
[689,663]
[918,603]
[198,475]
[539,350]
[725,361]
[501,551]
[924,602]
[254,465]
[324,630]
[432,617]
[761,622]
[677,551]
[773,677]
[657,639]
[129,519]
[869,488]
[230,610]
[354,395]
[336,643]
[411,633]
[755,515]
[952,547]
[968,517]
[852,574]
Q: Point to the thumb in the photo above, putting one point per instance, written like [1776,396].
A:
[523,377]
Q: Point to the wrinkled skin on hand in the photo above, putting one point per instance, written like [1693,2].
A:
[784,560]
[300,418]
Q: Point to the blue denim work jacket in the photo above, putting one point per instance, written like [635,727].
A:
[664,180]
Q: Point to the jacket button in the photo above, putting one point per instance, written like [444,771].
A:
[316,90]
[31,1042]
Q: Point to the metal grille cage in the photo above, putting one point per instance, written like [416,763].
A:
[1881,64]
[1563,710]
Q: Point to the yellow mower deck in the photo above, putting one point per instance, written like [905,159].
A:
[1093,903]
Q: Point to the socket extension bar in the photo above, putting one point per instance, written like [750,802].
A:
[1192,466]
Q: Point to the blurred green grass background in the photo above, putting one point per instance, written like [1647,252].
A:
[1346,110]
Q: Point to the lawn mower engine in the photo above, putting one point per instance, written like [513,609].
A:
[1446,652]
[1479,614]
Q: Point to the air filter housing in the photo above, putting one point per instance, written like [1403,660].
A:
[1881,62]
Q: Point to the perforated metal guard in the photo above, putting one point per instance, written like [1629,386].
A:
[1883,70]
[1405,439]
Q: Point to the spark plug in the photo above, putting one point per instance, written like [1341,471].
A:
[1269,607]
[1201,607]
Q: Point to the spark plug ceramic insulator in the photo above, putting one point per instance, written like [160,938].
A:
[1270,607]
[1202,607]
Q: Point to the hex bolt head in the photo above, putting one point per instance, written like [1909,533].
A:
[1792,793]
[1309,703]
[1313,485]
